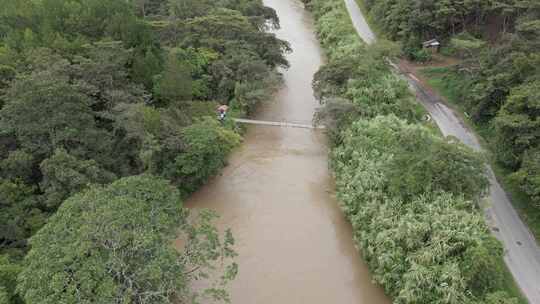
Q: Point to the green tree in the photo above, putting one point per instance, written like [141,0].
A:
[7,74]
[184,9]
[417,160]
[65,175]
[20,215]
[155,134]
[146,65]
[148,7]
[206,148]
[94,90]
[8,281]
[18,165]
[45,112]
[518,123]
[114,244]
[175,85]
[528,177]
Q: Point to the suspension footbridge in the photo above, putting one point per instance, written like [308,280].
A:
[283,124]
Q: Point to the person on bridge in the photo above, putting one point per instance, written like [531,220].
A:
[222,112]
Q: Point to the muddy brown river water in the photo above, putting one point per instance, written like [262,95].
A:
[277,196]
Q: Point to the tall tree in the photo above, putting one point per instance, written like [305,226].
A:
[175,83]
[45,112]
[65,175]
[518,124]
[115,245]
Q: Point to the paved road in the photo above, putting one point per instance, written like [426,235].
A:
[522,252]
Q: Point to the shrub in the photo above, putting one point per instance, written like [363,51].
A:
[207,145]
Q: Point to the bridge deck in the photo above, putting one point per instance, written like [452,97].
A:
[277,124]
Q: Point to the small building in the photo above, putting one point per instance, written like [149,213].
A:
[433,45]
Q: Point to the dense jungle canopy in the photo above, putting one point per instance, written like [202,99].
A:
[94,92]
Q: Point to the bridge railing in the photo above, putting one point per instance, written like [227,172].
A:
[281,123]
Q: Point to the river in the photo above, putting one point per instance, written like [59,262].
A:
[277,196]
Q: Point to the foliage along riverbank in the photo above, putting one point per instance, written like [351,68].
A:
[119,93]
[411,196]
[496,81]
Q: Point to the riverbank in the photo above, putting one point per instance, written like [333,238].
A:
[361,172]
